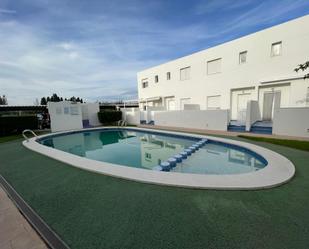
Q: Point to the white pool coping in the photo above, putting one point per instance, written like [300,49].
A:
[278,171]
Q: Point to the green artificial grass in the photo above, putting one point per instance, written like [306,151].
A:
[18,136]
[10,138]
[90,210]
[296,144]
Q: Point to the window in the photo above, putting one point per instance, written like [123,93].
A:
[213,102]
[66,110]
[243,57]
[214,66]
[156,79]
[147,155]
[144,83]
[185,73]
[168,75]
[276,49]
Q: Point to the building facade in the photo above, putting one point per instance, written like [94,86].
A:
[259,66]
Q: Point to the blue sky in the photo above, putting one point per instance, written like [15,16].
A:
[93,49]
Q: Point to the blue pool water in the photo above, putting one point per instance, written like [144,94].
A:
[148,150]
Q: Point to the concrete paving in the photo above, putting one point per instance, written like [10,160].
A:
[15,231]
[221,133]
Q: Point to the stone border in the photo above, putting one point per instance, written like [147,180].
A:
[278,171]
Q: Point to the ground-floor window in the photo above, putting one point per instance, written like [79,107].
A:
[214,102]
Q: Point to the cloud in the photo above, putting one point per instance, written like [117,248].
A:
[268,13]
[206,7]
[94,50]
[66,45]
[7,11]
[34,65]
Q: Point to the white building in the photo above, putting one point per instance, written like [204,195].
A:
[259,67]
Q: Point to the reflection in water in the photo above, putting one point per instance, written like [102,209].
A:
[216,158]
[145,150]
[240,157]
[156,149]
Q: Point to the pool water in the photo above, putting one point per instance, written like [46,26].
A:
[147,150]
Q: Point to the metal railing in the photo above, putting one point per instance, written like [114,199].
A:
[24,135]
[121,123]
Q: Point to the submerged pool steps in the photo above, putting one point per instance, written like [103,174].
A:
[172,161]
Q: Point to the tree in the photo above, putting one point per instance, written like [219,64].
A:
[303,67]
[54,98]
[43,101]
[3,100]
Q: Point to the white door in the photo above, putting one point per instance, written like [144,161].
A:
[242,100]
[239,99]
[270,103]
[171,104]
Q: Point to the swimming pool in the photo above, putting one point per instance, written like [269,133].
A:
[152,151]
[168,158]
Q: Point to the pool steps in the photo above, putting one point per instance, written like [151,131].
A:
[172,162]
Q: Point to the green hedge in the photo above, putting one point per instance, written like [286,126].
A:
[108,116]
[16,124]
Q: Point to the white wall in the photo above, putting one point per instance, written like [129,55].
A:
[291,122]
[65,116]
[260,70]
[131,115]
[90,112]
[197,119]
[151,110]
[253,113]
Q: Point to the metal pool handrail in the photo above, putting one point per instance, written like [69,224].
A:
[121,123]
[25,137]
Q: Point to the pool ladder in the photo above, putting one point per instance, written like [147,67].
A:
[24,135]
[121,123]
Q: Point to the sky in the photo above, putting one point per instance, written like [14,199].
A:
[94,48]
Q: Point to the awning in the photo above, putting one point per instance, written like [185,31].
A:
[281,78]
[150,99]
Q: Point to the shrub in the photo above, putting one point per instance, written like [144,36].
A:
[108,116]
[16,124]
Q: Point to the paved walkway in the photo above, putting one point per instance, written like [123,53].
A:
[223,133]
[15,231]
